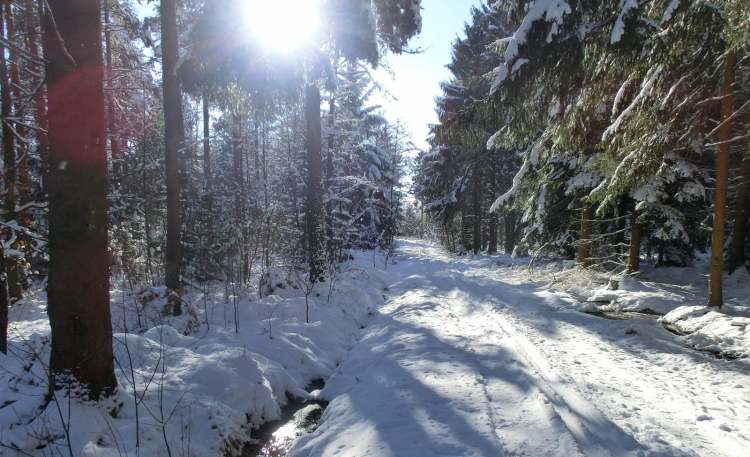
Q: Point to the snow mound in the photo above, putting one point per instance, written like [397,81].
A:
[707,329]
[194,384]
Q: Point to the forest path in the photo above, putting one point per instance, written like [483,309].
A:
[468,358]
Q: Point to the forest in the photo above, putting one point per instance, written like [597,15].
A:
[215,241]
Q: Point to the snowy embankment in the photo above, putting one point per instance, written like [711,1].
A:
[676,295]
[477,356]
[185,388]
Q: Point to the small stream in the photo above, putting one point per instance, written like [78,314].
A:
[299,417]
[624,315]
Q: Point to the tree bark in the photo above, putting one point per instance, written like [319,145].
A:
[584,247]
[510,232]
[173,136]
[206,145]
[634,254]
[741,212]
[715,297]
[23,191]
[78,283]
[492,235]
[476,208]
[114,140]
[3,303]
[9,155]
[314,207]
[40,105]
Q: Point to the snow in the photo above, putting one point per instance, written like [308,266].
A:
[428,354]
[552,12]
[479,356]
[669,11]
[626,6]
[208,387]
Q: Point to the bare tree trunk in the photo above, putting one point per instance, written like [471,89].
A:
[23,191]
[3,303]
[114,140]
[510,232]
[78,285]
[741,212]
[173,135]
[476,208]
[9,151]
[40,105]
[584,247]
[715,297]
[314,206]
[206,145]
[492,243]
[9,155]
[634,254]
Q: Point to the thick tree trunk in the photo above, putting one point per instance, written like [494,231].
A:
[715,297]
[78,284]
[634,254]
[584,246]
[173,136]
[314,207]
[741,213]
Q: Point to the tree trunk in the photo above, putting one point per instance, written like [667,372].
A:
[9,155]
[78,284]
[314,207]
[510,232]
[492,235]
[173,136]
[40,106]
[9,151]
[584,247]
[23,190]
[114,140]
[634,254]
[715,297]
[206,145]
[741,212]
[476,208]
[3,303]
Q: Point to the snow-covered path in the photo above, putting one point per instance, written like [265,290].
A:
[470,359]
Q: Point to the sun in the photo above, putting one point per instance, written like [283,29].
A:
[285,26]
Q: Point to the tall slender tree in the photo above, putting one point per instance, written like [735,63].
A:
[715,296]
[173,143]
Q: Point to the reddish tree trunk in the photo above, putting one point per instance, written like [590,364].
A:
[741,213]
[314,206]
[173,142]
[78,284]
[715,297]
[584,247]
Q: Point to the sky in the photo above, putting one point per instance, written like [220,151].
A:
[415,79]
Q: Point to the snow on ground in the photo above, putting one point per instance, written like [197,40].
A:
[194,389]
[480,357]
